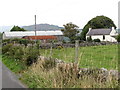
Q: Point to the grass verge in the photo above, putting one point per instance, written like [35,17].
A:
[13,65]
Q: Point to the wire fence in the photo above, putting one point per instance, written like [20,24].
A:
[87,56]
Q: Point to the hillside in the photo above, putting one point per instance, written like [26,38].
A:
[42,27]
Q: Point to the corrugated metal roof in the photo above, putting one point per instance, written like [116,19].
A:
[31,33]
[39,37]
[99,32]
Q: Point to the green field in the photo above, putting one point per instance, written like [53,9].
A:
[94,56]
[105,56]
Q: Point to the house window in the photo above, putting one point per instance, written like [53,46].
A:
[103,37]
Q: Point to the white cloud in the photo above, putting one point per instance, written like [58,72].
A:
[57,12]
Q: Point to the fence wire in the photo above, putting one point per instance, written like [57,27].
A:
[89,56]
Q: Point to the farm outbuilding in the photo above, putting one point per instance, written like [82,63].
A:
[21,34]
[102,34]
[41,38]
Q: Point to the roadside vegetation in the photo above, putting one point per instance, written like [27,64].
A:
[39,73]
[63,76]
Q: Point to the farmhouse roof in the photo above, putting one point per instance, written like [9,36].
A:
[39,37]
[99,32]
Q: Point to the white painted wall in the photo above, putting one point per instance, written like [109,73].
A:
[113,32]
[107,38]
[9,37]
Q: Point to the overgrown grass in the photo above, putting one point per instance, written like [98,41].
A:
[14,65]
[89,57]
[62,76]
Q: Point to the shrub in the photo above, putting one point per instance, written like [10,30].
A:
[96,40]
[38,44]
[19,41]
[6,48]
[63,41]
[118,38]
[24,41]
[15,39]
[32,55]
[19,53]
[89,39]
[11,40]
[15,52]
[29,54]
[6,40]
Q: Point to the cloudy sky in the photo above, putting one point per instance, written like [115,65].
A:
[56,12]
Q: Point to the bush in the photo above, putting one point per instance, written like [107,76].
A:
[19,41]
[11,40]
[118,38]
[6,41]
[15,39]
[15,52]
[96,40]
[32,55]
[27,55]
[24,41]
[89,39]
[19,53]
[6,48]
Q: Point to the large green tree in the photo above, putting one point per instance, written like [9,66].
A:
[95,23]
[70,30]
[17,28]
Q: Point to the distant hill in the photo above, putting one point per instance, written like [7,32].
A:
[42,27]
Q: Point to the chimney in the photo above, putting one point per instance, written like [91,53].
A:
[90,29]
[113,28]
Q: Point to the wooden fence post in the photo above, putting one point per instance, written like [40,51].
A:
[76,51]
[14,42]
[51,50]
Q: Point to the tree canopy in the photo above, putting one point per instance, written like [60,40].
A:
[17,28]
[70,30]
[0,35]
[95,23]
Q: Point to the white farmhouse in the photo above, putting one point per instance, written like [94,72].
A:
[102,34]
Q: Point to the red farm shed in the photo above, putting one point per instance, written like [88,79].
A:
[42,38]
